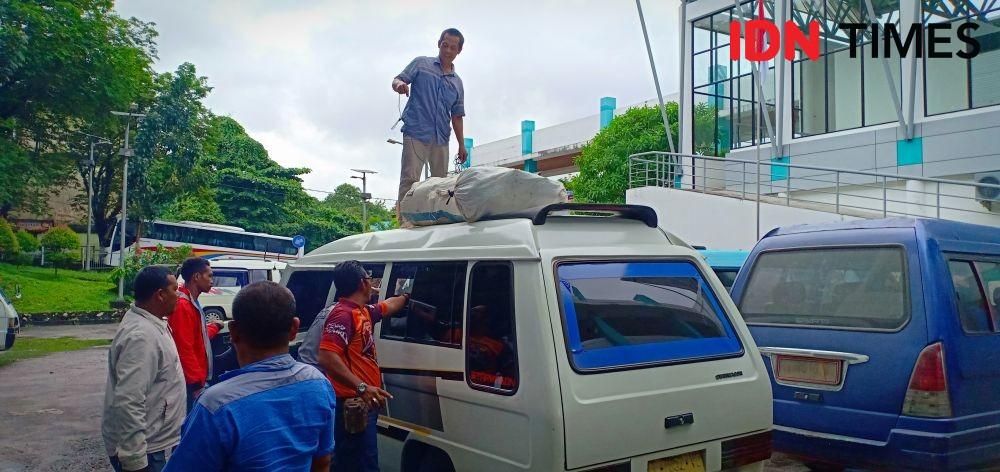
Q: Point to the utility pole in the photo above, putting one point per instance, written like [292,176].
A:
[125,152]
[365,196]
[90,196]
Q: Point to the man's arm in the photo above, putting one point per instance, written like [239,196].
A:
[213,328]
[394,304]
[401,83]
[321,464]
[335,367]
[136,373]
[458,125]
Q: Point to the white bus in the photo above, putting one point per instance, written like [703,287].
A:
[208,240]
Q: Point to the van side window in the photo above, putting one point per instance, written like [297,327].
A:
[376,271]
[310,289]
[491,345]
[257,275]
[976,309]
[229,278]
[434,314]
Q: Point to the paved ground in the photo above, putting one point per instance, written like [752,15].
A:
[50,420]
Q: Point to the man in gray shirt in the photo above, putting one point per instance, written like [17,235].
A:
[145,394]
[436,105]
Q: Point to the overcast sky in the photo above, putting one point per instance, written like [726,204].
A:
[310,79]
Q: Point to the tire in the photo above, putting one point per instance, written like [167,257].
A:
[824,467]
[435,461]
[215,314]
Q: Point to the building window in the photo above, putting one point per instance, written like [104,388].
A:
[434,314]
[838,92]
[725,113]
[491,344]
[953,84]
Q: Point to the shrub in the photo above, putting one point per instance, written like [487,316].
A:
[28,241]
[8,242]
[160,256]
[60,238]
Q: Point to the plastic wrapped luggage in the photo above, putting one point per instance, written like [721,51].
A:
[477,193]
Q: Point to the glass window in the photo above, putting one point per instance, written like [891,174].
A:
[862,288]
[434,313]
[973,310]
[727,277]
[258,275]
[955,83]
[376,272]
[311,289]
[229,278]
[631,314]
[491,344]
[724,114]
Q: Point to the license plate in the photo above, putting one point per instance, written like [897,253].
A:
[808,370]
[690,462]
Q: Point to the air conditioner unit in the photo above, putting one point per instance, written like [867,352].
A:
[988,196]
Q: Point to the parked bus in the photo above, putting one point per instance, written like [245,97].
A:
[208,240]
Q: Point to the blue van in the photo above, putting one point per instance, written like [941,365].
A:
[882,339]
[725,264]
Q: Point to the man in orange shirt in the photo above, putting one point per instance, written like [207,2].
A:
[347,355]
[191,333]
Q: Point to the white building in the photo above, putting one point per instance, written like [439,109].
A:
[847,141]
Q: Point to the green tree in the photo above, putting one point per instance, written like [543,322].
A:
[58,243]
[197,205]
[9,245]
[346,198]
[169,144]
[28,241]
[64,65]
[604,162]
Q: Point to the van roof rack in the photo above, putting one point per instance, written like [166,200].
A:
[641,213]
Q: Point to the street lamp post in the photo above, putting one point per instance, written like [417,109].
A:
[125,152]
[365,196]
[90,196]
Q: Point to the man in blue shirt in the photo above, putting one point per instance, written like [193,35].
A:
[273,414]
[436,104]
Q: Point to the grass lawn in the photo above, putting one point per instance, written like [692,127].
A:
[43,291]
[26,348]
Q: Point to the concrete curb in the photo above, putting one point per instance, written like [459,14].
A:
[71,318]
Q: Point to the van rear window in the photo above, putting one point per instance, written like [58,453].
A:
[633,314]
[857,288]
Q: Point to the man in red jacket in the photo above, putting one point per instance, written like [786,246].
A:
[190,331]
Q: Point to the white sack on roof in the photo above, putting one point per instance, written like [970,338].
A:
[477,193]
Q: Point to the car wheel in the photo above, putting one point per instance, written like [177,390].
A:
[215,314]
[435,461]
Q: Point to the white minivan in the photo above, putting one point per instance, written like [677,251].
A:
[10,322]
[229,275]
[579,337]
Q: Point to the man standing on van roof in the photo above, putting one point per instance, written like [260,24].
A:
[143,400]
[191,332]
[436,104]
[347,354]
[271,414]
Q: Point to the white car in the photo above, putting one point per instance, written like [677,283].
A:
[557,341]
[229,275]
[10,322]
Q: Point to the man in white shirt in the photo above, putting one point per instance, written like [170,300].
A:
[144,401]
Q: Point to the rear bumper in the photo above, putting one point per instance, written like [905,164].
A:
[909,449]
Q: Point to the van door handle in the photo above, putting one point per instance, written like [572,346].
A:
[679,420]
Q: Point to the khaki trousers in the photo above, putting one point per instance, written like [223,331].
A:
[415,155]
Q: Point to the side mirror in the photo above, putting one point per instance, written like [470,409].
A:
[996,296]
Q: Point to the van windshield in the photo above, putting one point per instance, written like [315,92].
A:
[623,314]
[859,288]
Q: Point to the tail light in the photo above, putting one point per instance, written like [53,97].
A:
[746,450]
[927,393]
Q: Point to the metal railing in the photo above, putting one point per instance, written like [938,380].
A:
[857,193]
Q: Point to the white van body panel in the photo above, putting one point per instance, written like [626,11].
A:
[10,323]
[222,298]
[557,419]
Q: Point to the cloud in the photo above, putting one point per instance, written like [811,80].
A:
[310,80]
